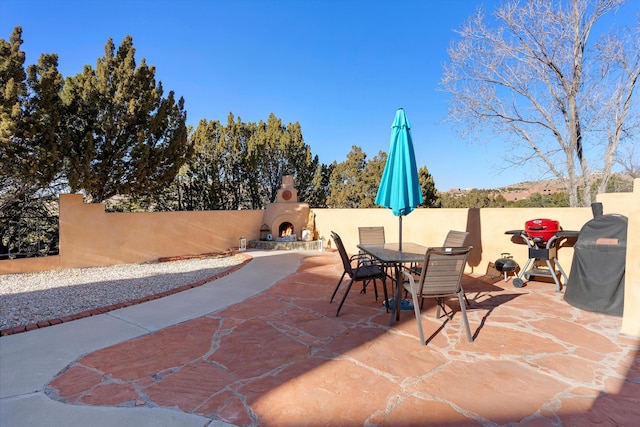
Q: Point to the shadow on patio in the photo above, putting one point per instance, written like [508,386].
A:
[282,358]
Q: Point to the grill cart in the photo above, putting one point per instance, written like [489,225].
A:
[543,237]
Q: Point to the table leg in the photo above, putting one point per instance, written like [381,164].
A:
[395,311]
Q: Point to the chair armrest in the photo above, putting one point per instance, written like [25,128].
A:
[413,268]
[361,259]
[411,284]
[358,257]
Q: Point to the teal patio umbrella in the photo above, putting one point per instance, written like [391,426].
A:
[400,188]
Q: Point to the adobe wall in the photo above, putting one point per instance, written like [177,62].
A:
[91,237]
[628,204]
[487,226]
[429,227]
[27,265]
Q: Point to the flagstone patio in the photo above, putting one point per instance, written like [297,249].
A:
[282,358]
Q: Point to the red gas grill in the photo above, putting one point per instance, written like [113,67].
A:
[541,230]
[542,236]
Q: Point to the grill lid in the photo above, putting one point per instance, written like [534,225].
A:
[542,229]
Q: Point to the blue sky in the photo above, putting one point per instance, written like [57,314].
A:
[340,68]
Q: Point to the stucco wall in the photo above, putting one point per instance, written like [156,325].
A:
[487,226]
[429,227]
[91,237]
[628,204]
[631,319]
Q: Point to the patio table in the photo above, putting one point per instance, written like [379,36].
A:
[389,255]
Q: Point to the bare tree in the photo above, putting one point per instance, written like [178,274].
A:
[629,161]
[534,76]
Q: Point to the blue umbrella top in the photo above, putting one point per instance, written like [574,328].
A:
[400,187]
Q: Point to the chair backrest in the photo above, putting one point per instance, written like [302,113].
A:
[371,235]
[455,239]
[343,253]
[442,271]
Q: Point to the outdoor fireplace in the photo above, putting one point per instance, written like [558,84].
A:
[287,219]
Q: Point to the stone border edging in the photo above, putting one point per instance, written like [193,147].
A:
[117,306]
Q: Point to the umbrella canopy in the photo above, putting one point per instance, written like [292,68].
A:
[400,188]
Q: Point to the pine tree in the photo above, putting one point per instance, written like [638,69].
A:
[428,188]
[127,138]
[13,86]
[31,139]
[346,177]
[31,131]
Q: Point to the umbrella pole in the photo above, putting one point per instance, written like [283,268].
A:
[400,244]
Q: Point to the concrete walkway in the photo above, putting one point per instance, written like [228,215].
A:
[262,347]
[28,361]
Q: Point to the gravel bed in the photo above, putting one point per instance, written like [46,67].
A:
[33,297]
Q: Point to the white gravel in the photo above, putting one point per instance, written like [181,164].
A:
[33,297]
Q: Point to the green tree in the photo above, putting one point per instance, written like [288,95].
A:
[430,198]
[31,138]
[13,84]
[127,138]
[200,183]
[302,163]
[537,200]
[31,130]
[320,186]
[279,150]
[369,180]
[196,186]
[241,165]
[475,198]
[346,179]
[354,183]
[232,148]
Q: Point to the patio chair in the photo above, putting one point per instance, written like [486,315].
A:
[362,272]
[454,239]
[371,236]
[441,278]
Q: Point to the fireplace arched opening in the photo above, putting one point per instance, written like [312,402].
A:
[286,229]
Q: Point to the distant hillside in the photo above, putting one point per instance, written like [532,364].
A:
[525,189]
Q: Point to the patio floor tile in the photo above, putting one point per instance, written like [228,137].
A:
[282,358]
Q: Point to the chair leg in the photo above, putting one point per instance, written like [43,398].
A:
[465,297]
[463,309]
[375,287]
[416,311]
[364,287]
[440,303]
[337,286]
[344,297]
